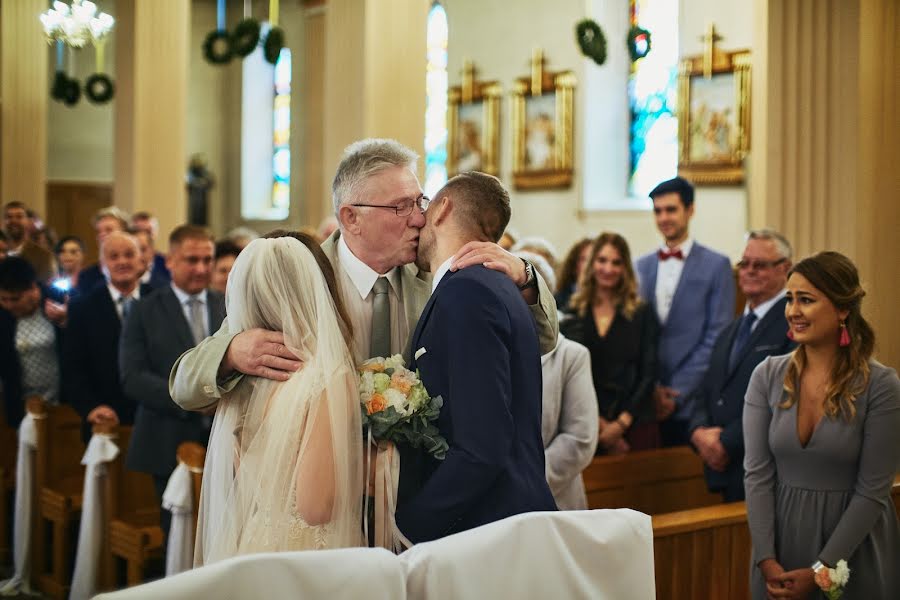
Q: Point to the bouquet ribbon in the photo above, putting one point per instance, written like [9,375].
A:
[387,480]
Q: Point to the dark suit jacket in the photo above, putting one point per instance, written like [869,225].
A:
[88,279]
[483,357]
[719,402]
[703,305]
[155,335]
[11,367]
[90,366]
[159,273]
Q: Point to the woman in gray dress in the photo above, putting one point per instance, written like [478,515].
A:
[822,447]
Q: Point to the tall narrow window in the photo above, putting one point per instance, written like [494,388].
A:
[436,100]
[281,124]
[652,92]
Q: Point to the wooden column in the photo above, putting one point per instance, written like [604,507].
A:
[151,109]
[374,76]
[825,139]
[24,90]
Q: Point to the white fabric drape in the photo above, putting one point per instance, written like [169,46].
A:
[24,502]
[572,554]
[100,451]
[178,499]
[345,574]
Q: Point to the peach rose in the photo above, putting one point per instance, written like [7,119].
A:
[400,383]
[823,579]
[376,403]
[373,367]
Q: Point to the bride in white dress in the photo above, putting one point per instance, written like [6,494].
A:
[284,463]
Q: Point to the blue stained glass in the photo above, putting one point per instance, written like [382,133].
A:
[281,133]
[436,100]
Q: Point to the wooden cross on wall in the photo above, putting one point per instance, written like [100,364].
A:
[709,51]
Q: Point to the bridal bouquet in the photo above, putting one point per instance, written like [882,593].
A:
[397,408]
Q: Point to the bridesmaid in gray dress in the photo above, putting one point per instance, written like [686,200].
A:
[822,436]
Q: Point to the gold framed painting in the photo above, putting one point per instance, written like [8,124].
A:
[473,142]
[714,117]
[542,120]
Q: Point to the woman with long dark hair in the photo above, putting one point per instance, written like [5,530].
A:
[821,435]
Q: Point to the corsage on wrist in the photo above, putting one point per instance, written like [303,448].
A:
[831,581]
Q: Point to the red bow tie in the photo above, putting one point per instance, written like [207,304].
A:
[666,255]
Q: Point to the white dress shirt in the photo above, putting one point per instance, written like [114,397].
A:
[439,273]
[357,281]
[667,276]
[116,294]
[763,308]
[184,299]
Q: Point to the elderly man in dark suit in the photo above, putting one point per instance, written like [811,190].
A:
[760,332]
[477,347]
[169,321]
[90,352]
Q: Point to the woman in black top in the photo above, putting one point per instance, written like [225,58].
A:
[620,330]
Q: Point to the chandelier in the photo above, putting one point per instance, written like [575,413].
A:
[77,25]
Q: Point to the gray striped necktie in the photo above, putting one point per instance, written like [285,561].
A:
[197,327]
[381,319]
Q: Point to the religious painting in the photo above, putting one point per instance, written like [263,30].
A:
[714,117]
[542,112]
[473,125]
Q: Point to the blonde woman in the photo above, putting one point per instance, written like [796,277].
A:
[620,331]
[820,432]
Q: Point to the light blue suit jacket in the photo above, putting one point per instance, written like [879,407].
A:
[702,307]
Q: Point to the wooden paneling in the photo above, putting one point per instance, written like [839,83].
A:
[651,481]
[70,206]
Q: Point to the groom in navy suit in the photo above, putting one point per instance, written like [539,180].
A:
[476,345]
[691,288]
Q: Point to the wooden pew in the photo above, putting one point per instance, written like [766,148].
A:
[651,481]
[132,532]
[9,444]
[705,552]
[59,480]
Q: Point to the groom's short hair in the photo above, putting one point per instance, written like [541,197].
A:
[480,203]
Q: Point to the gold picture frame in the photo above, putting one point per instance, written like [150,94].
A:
[714,115]
[473,125]
[542,120]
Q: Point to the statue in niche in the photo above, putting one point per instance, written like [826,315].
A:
[199,182]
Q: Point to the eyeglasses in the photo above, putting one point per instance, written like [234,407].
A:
[759,265]
[404,208]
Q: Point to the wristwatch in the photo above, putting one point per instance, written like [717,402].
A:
[530,280]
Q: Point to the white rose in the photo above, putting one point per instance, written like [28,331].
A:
[396,399]
[841,573]
[367,384]
[394,362]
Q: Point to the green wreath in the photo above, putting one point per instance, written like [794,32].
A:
[245,37]
[217,47]
[591,40]
[634,34]
[273,44]
[99,88]
[60,85]
[73,92]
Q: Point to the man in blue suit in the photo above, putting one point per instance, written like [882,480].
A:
[692,290]
[476,345]
[761,331]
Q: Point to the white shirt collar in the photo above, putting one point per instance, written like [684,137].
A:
[763,308]
[116,294]
[362,275]
[184,297]
[685,247]
[440,272]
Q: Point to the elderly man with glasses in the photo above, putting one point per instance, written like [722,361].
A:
[760,331]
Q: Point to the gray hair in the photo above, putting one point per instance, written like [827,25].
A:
[364,159]
[111,211]
[540,246]
[540,265]
[781,244]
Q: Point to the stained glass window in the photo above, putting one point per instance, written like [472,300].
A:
[281,129]
[436,100]
[652,92]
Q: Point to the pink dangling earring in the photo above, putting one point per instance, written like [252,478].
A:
[790,334]
[845,336]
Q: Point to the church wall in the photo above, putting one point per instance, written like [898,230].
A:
[500,41]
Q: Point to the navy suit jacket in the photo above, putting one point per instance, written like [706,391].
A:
[90,366]
[155,335]
[719,402]
[702,307]
[482,357]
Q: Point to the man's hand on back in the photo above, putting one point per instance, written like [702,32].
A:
[262,353]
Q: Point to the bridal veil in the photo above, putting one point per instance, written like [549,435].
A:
[284,462]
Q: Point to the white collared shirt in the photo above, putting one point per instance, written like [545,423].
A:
[116,294]
[184,299]
[763,308]
[439,273]
[357,275]
[668,273]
